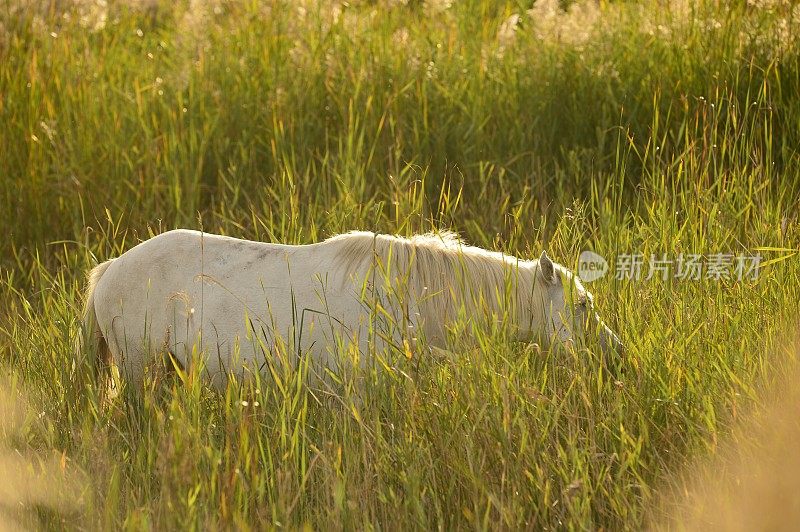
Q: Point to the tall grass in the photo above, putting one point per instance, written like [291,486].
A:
[660,128]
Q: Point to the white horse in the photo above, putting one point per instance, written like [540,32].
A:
[236,302]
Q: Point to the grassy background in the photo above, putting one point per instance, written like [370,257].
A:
[652,127]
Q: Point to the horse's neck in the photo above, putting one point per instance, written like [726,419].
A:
[529,312]
[480,290]
[442,281]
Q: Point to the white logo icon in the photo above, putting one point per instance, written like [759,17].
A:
[591,266]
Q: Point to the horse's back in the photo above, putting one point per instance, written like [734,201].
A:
[232,297]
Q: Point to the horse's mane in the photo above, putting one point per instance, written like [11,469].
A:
[440,271]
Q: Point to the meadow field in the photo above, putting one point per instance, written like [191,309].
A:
[664,128]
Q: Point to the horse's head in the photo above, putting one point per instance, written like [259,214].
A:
[569,308]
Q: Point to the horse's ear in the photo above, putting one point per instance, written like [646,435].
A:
[546,268]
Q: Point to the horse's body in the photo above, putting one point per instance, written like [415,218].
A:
[235,302]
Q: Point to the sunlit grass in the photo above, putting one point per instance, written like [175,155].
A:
[615,127]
